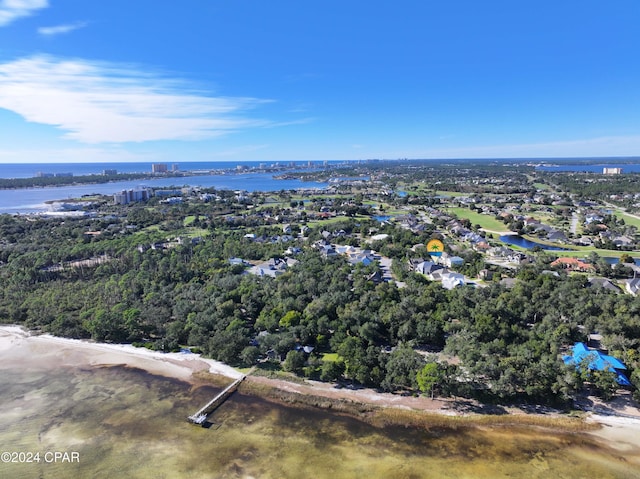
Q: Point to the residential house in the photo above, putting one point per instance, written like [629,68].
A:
[274,267]
[595,360]
[557,236]
[500,252]
[584,241]
[593,218]
[452,280]
[481,246]
[450,261]
[573,264]
[623,241]
[326,250]
[238,261]
[633,286]
[428,268]
[605,284]
[485,274]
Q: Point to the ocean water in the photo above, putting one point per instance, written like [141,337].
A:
[126,423]
[32,200]
[29,170]
[591,168]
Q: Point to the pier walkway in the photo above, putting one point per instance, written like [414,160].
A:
[201,416]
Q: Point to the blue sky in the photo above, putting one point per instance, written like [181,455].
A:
[209,80]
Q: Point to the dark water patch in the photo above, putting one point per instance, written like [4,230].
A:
[518,240]
[128,423]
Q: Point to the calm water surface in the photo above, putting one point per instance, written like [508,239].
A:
[32,200]
[127,423]
[525,243]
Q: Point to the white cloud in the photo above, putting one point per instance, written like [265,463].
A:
[11,10]
[98,102]
[61,29]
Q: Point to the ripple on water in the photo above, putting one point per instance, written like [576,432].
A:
[127,423]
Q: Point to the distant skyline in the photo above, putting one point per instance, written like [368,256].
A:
[213,80]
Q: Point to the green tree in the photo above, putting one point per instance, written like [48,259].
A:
[332,370]
[605,383]
[429,377]
[250,355]
[292,318]
[294,362]
[401,368]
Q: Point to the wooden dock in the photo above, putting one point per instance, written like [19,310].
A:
[201,416]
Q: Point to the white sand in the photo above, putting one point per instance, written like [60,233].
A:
[74,352]
[620,433]
[18,346]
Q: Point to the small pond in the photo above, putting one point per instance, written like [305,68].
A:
[518,240]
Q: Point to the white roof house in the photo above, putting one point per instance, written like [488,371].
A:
[452,280]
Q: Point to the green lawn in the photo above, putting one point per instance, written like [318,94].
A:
[585,250]
[450,193]
[629,220]
[196,232]
[580,251]
[485,221]
[337,219]
[542,186]
[330,357]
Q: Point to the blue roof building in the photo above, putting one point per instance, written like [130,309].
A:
[597,362]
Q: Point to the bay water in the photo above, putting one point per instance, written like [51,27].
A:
[120,422]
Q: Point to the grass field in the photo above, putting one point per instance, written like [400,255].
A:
[629,220]
[542,186]
[451,193]
[605,253]
[485,221]
[333,357]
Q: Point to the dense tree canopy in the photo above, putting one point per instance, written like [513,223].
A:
[492,341]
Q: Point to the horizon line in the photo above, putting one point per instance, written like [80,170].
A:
[361,160]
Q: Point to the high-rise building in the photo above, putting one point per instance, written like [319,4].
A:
[159,168]
[131,196]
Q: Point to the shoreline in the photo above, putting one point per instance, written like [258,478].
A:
[618,429]
[73,352]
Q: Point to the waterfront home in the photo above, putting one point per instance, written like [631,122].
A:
[595,360]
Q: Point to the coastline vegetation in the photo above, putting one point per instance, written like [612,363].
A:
[45,181]
[160,274]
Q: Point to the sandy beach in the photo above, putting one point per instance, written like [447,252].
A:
[73,352]
[620,429]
